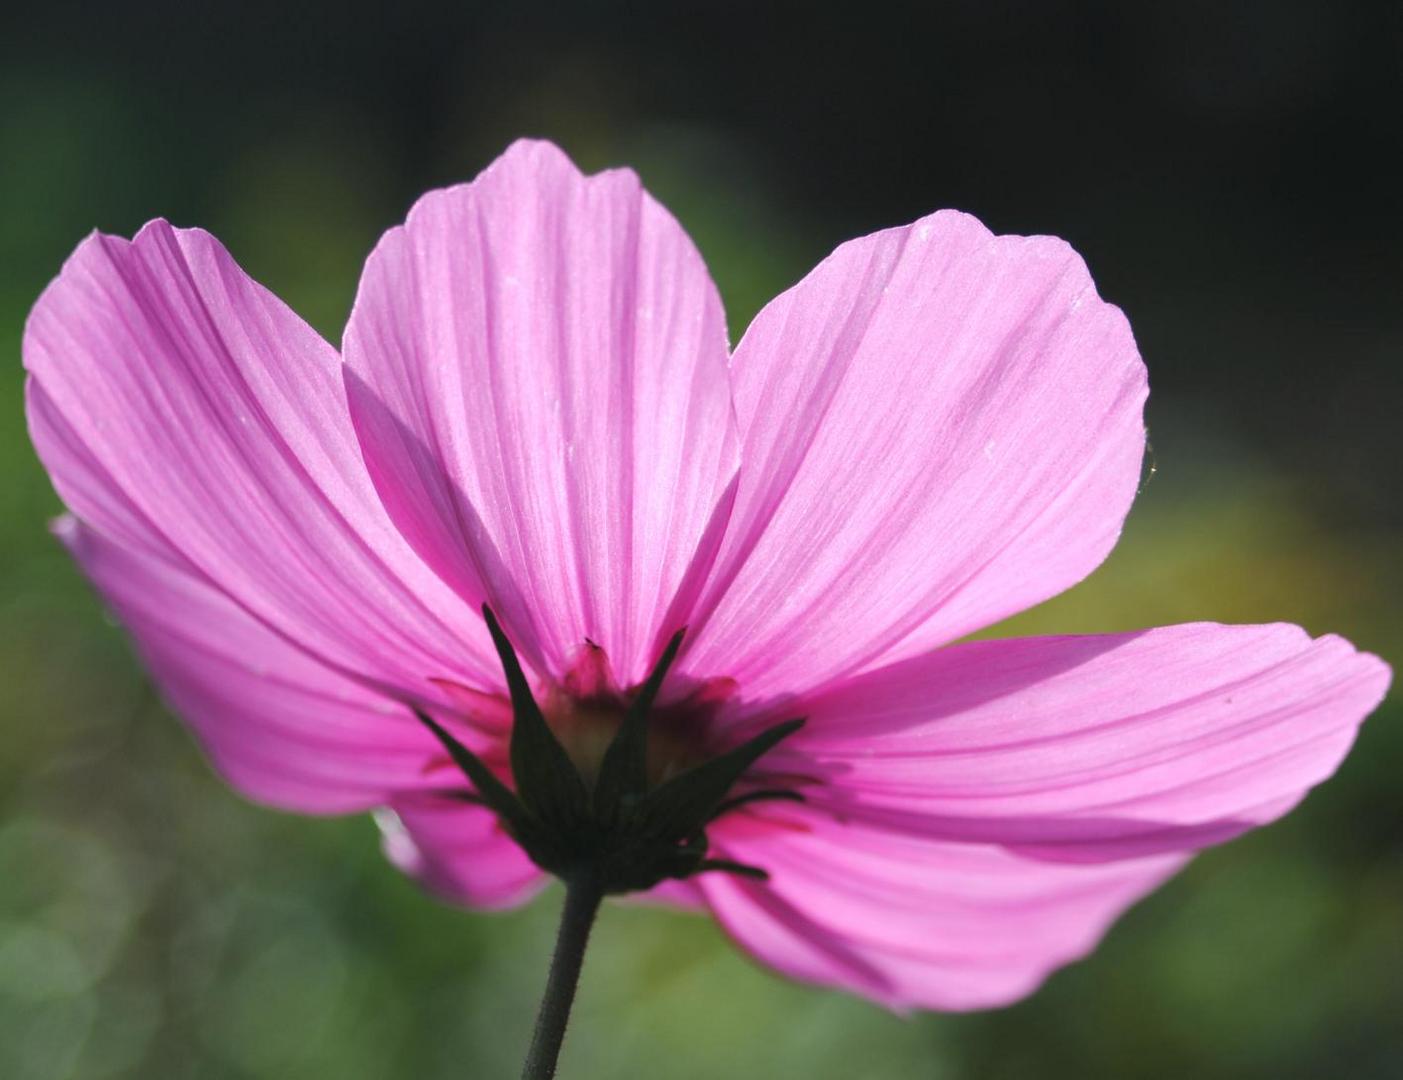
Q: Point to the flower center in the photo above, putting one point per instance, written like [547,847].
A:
[608,785]
[586,729]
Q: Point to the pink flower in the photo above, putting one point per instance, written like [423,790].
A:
[535,407]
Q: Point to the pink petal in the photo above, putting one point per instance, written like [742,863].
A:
[289,732]
[538,376]
[459,851]
[280,726]
[940,427]
[1090,748]
[184,411]
[913,922]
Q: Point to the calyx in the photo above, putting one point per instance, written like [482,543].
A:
[621,831]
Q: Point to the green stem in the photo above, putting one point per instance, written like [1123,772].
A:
[582,899]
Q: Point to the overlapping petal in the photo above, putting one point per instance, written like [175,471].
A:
[458,851]
[914,922]
[279,725]
[538,376]
[986,811]
[290,732]
[1091,748]
[184,411]
[939,427]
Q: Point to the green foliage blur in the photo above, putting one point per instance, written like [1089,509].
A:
[155,926]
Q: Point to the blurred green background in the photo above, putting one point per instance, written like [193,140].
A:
[1228,172]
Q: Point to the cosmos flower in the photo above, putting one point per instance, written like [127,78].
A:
[540,568]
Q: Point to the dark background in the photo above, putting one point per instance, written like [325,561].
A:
[1229,172]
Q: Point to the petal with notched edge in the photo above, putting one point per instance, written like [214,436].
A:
[182,410]
[940,427]
[1091,748]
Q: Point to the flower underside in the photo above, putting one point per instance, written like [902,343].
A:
[596,803]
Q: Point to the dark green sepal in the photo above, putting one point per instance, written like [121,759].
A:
[690,799]
[763,795]
[490,791]
[755,873]
[623,774]
[546,779]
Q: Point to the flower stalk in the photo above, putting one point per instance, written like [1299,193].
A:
[583,895]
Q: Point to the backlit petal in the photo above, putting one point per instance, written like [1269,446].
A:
[1090,748]
[940,427]
[184,411]
[459,851]
[913,922]
[538,376]
[283,728]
